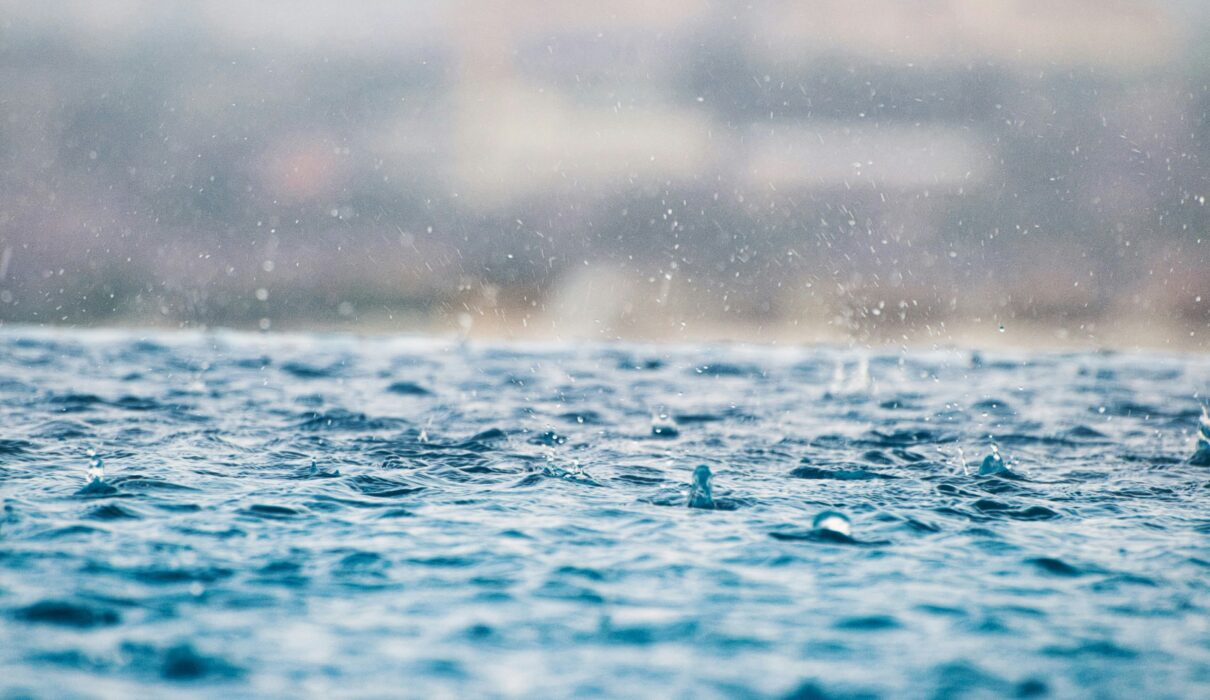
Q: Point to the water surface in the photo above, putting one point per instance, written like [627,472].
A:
[285,515]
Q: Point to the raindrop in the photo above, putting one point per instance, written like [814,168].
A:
[663,425]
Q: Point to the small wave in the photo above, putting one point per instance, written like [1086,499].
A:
[180,662]
[14,448]
[381,487]
[75,403]
[66,532]
[67,614]
[1000,509]
[302,370]
[139,482]
[1055,566]
[138,403]
[338,420]
[97,488]
[64,430]
[723,369]
[1097,648]
[408,389]
[641,365]
[809,472]
[575,474]
[906,438]
[113,511]
[271,511]
[868,623]
[822,537]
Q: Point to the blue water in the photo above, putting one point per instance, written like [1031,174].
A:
[339,516]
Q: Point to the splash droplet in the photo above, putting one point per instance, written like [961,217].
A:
[96,467]
[663,424]
[94,481]
[1201,455]
[832,521]
[993,463]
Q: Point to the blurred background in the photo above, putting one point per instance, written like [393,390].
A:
[875,171]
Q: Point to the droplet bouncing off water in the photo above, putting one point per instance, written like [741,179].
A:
[833,522]
[993,464]
[663,424]
[701,492]
[96,468]
[1201,454]
[94,480]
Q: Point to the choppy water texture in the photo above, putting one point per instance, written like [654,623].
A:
[339,516]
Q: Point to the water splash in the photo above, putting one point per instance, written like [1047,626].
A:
[833,522]
[993,464]
[837,378]
[1201,455]
[96,468]
[701,493]
[861,382]
[956,459]
[857,384]
[94,484]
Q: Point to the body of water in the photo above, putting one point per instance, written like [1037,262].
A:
[339,516]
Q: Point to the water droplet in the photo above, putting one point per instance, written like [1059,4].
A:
[663,425]
[833,521]
[993,463]
[96,467]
